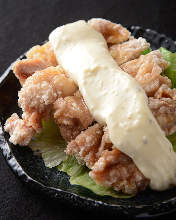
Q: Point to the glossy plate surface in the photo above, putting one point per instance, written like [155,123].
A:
[55,184]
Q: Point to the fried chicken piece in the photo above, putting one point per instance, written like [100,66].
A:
[109,167]
[113,33]
[27,67]
[36,98]
[129,50]
[38,58]
[72,116]
[106,143]
[44,53]
[164,110]
[117,170]
[34,119]
[146,70]
[43,88]
[86,145]
[165,91]
[19,132]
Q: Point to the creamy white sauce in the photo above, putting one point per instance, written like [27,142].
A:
[115,99]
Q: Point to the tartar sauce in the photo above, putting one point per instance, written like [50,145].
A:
[115,99]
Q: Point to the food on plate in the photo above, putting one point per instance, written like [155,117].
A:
[113,101]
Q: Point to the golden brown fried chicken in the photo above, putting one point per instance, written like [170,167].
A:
[129,50]
[36,98]
[72,116]
[20,133]
[113,33]
[44,53]
[109,167]
[38,58]
[146,70]
[26,67]
[165,91]
[164,110]
[117,170]
[86,145]
[43,88]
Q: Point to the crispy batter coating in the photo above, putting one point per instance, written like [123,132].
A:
[26,67]
[38,58]
[19,132]
[109,167]
[34,119]
[36,99]
[43,88]
[129,50]
[164,110]
[146,70]
[72,116]
[117,170]
[44,53]
[165,91]
[113,33]
[86,145]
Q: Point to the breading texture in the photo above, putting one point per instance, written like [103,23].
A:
[86,145]
[19,132]
[36,98]
[72,116]
[109,167]
[38,58]
[43,88]
[113,33]
[44,53]
[27,67]
[164,110]
[146,70]
[128,50]
[117,170]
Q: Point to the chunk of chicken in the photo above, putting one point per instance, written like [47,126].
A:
[115,169]
[146,70]
[86,145]
[44,53]
[36,98]
[38,58]
[43,88]
[109,167]
[27,67]
[19,132]
[72,116]
[113,33]
[164,110]
[165,92]
[129,50]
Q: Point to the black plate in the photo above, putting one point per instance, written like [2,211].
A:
[55,184]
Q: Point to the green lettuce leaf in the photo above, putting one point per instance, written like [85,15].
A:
[148,50]
[172,139]
[170,72]
[50,144]
[79,175]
